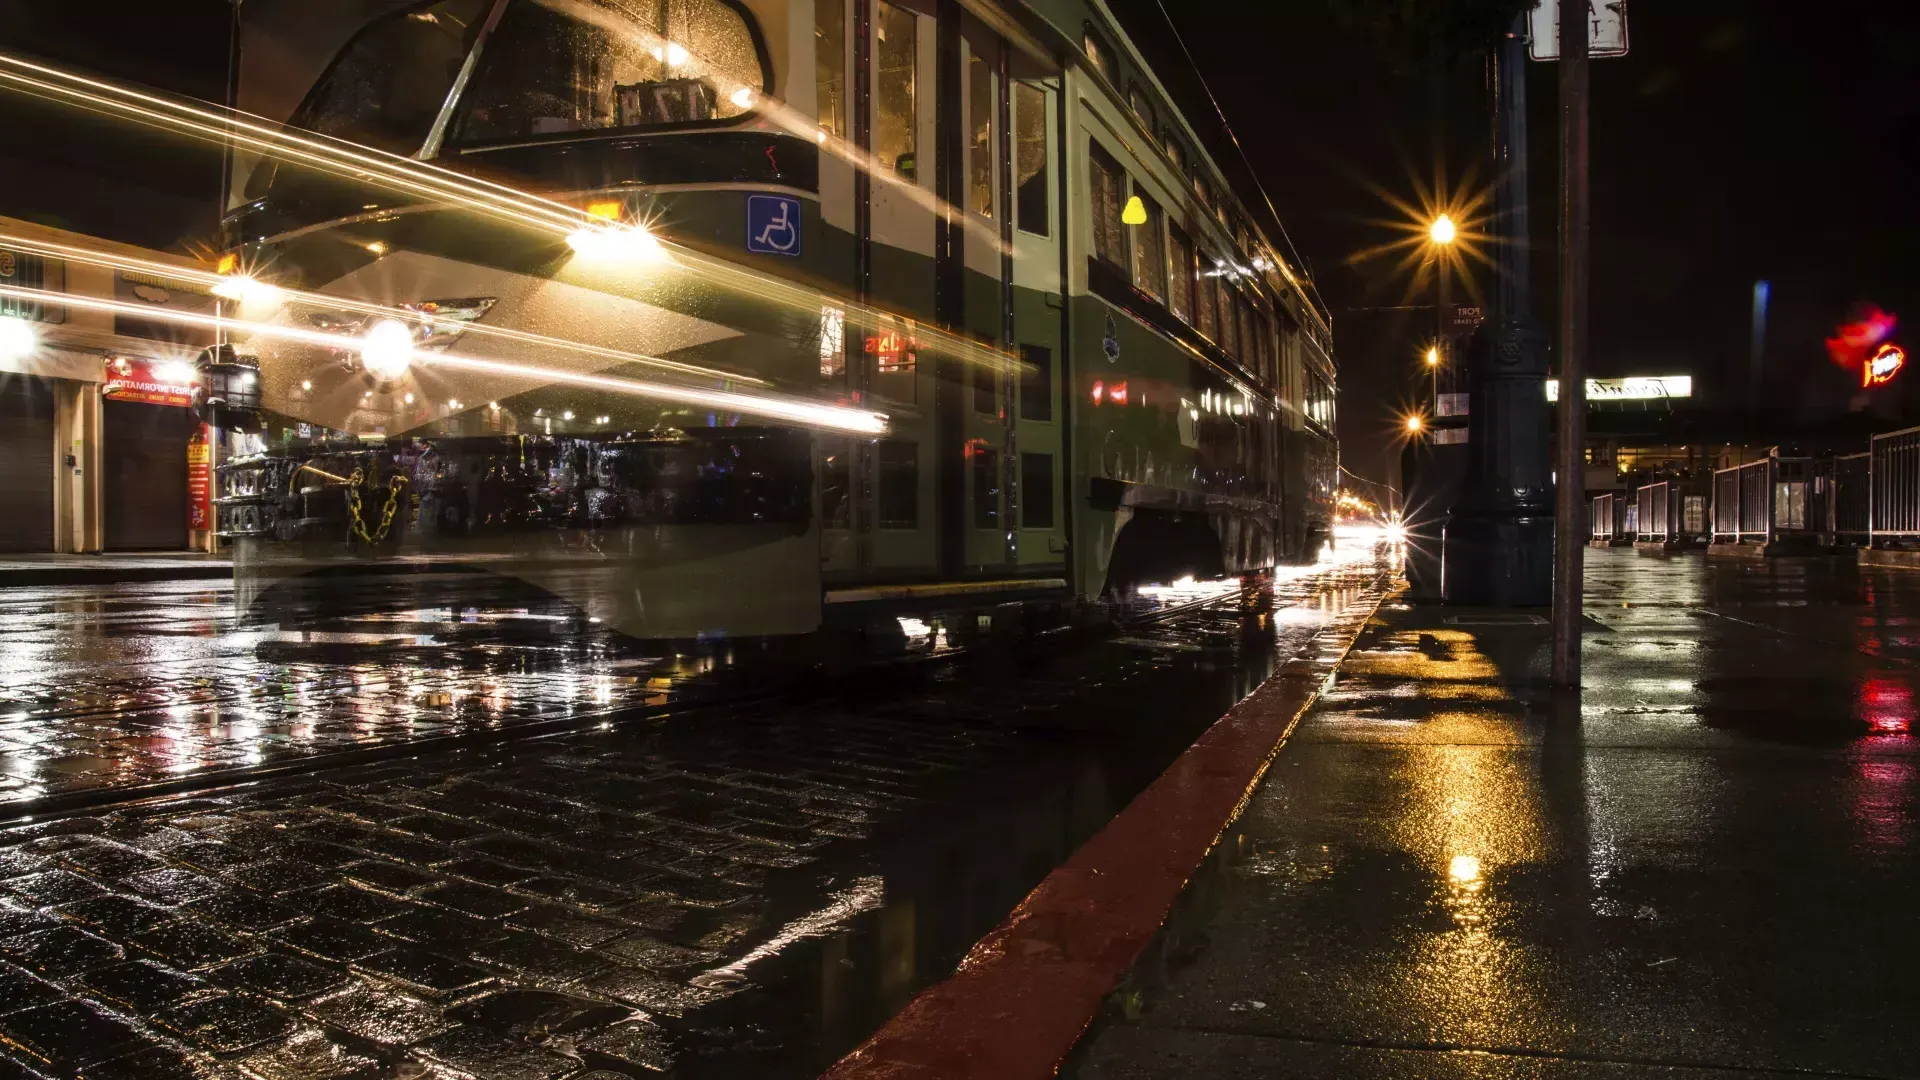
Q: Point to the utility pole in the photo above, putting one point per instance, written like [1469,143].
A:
[1570,497]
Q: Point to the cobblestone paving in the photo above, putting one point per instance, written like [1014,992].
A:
[518,912]
[587,906]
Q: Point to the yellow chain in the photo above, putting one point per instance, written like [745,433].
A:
[395,485]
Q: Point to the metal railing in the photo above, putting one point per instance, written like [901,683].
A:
[1654,524]
[1894,480]
[1604,516]
[1763,501]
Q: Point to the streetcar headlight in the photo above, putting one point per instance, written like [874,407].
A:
[630,244]
[387,349]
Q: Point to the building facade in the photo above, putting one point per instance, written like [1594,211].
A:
[102,449]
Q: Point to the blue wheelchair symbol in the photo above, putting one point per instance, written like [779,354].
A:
[773,225]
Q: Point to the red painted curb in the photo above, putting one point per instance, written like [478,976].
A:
[1027,992]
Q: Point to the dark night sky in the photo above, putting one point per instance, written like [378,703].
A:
[1742,139]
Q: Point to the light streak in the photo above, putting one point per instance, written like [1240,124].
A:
[795,410]
[432,182]
[213,282]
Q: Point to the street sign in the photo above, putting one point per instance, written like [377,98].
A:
[1606,29]
[1468,316]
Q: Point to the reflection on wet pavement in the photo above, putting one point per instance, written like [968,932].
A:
[738,892]
[1451,872]
[104,687]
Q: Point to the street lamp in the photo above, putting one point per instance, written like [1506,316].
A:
[1415,424]
[1441,235]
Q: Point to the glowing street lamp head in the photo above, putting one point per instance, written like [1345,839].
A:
[387,349]
[18,338]
[1415,424]
[1433,356]
[1442,231]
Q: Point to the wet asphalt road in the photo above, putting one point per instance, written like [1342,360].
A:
[740,891]
[1703,866]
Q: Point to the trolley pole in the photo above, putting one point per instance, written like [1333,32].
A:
[1570,550]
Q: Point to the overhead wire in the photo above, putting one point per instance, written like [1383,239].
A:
[1244,160]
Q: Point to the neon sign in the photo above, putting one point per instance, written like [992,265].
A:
[1884,366]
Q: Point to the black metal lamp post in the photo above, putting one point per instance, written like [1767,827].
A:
[1497,548]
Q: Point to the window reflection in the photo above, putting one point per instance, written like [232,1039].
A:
[555,66]
[1030,159]
[980,151]
[895,67]
[1150,253]
[830,65]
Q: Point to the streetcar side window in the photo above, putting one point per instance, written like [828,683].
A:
[387,86]
[986,487]
[899,495]
[558,66]
[836,482]
[1033,195]
[1180,279]
[1036,382]
[982,105]
[986,389]
[1150,252]
[1142,109]
[1177,154]
[1036,491]
[1107,186]
[1097,53]
[1206,322]
[896,61]
[830,65]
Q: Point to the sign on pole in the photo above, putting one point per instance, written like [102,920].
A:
[1606,29]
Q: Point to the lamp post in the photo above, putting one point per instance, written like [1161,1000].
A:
[1498,543]
[1440,236]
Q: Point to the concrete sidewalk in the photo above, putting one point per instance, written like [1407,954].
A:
[1703,865]
[33,570]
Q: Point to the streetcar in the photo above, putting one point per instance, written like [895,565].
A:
[982,225]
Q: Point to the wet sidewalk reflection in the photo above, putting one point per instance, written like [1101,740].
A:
[1454,872]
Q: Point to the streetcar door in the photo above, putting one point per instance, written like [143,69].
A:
[979,196]
[1040,415]
[895,124]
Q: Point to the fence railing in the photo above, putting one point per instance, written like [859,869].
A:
[1656,501]
[1894,479]
[1763,501]
[1604,516]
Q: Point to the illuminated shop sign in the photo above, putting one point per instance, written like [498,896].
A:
[1633,388]
[154,382]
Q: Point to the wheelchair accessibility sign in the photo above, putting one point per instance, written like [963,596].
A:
[773,225]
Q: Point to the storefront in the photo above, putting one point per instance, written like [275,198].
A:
[147,428]
[26,463]
[99,447]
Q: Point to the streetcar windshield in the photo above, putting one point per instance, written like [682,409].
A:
[557,66]
[390,82]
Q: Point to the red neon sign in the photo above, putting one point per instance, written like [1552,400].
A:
[1884,366]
